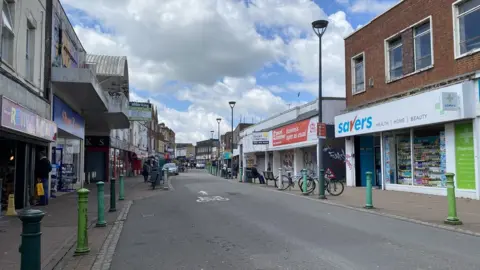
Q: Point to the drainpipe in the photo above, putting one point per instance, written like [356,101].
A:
[47,73]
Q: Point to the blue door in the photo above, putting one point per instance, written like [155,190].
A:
[367,158]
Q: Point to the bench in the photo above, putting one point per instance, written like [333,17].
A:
[270,177]
[249,176]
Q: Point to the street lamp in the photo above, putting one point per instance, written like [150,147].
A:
[319,27]
[210,150]
[218,135]
[232,104]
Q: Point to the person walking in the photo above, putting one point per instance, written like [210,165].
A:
[145,171]
[43,167]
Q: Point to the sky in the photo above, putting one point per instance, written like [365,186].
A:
[191,57]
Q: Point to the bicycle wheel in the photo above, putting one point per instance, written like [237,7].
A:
[335,188]
[286,181]
[311,185]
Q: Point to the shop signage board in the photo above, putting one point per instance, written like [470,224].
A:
[140,111]
[67,119]
[423,109]
[301,131]
[259,138]
[20,119]
[322,130]
[97,141]
[464,156]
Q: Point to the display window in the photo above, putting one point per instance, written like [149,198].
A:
[429,156]
[7,170]
[404,159]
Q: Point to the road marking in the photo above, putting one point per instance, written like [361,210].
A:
[201,192]
[212,198]
[148,215]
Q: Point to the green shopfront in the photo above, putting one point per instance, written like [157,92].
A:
[414,141]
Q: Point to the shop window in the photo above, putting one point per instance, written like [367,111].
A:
[429,156]
[404,159]
[467,32]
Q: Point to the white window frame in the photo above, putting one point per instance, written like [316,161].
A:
[11,5]
[387,55]
[429,20]
[456,32]
[353,62]
[30,52]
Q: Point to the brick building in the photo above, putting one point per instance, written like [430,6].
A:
[412,95]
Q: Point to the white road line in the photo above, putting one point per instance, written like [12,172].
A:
[202,192]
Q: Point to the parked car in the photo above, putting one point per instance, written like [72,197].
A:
[171,167]
[200,166]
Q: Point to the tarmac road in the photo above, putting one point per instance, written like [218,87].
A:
[249,227]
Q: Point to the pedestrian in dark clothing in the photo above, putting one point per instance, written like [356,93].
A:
[256,174]
[43,167]
[145,171]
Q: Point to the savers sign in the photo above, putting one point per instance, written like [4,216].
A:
[294,133]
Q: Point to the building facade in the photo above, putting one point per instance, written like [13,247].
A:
[205,151]
[185,151]
[26,126]
[287,142]
[413,98]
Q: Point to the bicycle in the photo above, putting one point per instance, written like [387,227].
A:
[330,184]
[288,180]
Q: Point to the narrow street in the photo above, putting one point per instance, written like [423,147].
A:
[250,227]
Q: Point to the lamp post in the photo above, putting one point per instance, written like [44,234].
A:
[218,135]
[232,104]
[210,149]
[319,27]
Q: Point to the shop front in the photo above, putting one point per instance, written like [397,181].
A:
[409,144]
[68,151]
[293,147]
[23,136]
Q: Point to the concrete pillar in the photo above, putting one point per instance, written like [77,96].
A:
[276,162]
[297,161]
[350,161]
[267,160]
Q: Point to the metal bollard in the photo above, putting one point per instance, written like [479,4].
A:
[280,183]
[82,233]
[113,201]
[166,186]
[30,247]
[452,218]
[321,185]
[368,191]
[121,194]
[304,178]
[101,204]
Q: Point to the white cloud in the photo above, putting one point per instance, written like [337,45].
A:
[211,48]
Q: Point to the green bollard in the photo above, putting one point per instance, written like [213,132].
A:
[30,248]
[452,218]
[368,193]
[241,175]
[121,195]
[101,204]
[82,233]
[304,184]
[321,185]
[113,201]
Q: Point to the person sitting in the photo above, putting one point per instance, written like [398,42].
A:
[256,174]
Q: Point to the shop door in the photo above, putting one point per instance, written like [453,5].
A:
[367,158]
[96,163]
[57,164]
[378,167]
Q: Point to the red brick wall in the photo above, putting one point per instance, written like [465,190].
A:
[371,39]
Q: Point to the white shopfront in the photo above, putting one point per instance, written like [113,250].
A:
[418,139]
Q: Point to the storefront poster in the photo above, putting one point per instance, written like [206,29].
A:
[67,119]
[464,156]
[18,118]
[259,138]
[301,131]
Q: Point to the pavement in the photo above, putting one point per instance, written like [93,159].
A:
[212,223]
[59,226]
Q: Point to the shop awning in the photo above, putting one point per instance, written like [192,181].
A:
[79,86]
